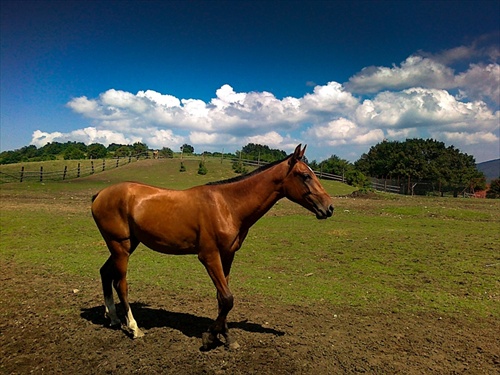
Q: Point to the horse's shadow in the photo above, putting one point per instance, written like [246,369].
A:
[189,324]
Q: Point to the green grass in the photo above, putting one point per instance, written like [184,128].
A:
[392,254]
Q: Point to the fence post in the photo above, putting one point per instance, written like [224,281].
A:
[78,170]
[91,167]
[41,173]
[22,173]
[117,162]
[103,164]
[65,170]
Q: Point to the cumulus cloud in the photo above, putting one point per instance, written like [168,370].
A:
[415,71]
[424,96]
[429,108]
[479,81]
[343,131]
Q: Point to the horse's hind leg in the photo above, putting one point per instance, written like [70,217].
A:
[107,288]
[120,253]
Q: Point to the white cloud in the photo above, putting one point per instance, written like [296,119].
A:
[415,71]
[481,82]
[87,135]
[331,98]
[480,137]
[272,139]
[478,82]
[422,97]
[343,131]
[424,108]
[160,99]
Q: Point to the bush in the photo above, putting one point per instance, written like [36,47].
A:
[202,169]
[239,167]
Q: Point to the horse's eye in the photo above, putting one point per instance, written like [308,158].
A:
[306,176]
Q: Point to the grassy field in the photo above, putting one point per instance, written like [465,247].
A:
[389,253]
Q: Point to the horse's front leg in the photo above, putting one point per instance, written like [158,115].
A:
[219,273]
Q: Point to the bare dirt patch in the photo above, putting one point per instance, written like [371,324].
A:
[54,324]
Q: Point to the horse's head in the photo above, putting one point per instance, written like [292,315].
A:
[303,187]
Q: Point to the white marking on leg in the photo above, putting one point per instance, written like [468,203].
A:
[109,303]
[132,325]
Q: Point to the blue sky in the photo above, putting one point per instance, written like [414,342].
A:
[340,76]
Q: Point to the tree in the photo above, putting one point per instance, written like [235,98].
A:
[96,151]
[73,153]
[335,165]
[123,151]
[10,157]
[114,146]
[253,151]
[53,148]
[166,152]
[139,148]
[187,149]
[494,190]
[417,160]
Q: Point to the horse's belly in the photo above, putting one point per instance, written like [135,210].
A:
[170,248]
[169,241]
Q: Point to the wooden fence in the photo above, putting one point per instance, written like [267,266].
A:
[82,169]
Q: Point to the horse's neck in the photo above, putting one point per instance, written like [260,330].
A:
[252,197]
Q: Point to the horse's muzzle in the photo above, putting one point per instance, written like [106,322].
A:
[324,214]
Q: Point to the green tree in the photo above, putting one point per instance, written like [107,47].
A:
[166,152]
[53,148]
[96,151]
[494,190]
[73,153]
[123,151]
[253,151]
[112,147]
[10,157]
[418,160]
[187,149]
[139,148]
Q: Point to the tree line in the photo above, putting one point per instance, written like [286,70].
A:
[407,163]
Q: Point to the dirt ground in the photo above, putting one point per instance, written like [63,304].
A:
[51,324]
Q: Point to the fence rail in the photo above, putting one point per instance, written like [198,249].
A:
[82,169]
[385,185]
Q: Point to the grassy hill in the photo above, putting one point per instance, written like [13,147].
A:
[159,172]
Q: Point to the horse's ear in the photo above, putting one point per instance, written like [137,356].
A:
[298,154]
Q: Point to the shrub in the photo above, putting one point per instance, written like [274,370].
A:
[202,169]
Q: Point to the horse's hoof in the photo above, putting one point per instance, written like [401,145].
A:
[233,346]
[207,339]
[138,333]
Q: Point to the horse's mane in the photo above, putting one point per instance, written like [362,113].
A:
[253,173]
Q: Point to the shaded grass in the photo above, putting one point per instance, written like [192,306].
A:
[393,254]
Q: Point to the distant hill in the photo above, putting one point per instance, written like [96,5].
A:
[491,169]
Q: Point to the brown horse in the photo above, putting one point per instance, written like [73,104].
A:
[210,220]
